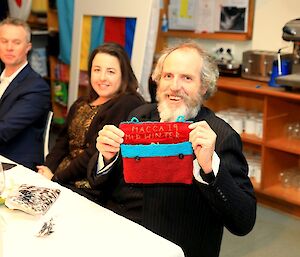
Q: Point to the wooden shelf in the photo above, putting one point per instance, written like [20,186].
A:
[285,144]
[255,87]
[52,19]
[277,152]
[212,36]
[37,22]
[252,139]
[279,198]
[289,195]
[162,36]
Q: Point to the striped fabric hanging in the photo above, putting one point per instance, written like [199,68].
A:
[100,29]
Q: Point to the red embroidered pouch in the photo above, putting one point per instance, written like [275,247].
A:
[157,152]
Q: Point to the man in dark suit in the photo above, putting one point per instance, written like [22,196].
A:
[221,194]
[24,97]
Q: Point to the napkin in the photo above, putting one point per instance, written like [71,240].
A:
[32,199]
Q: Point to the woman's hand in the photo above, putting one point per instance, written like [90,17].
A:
[203,140]
[108,141]
[45,171]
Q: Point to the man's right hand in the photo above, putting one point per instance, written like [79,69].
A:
[108,141]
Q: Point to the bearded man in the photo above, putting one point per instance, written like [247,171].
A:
[221,195]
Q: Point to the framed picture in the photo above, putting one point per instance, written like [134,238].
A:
[232,16]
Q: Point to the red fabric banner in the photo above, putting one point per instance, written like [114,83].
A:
[115,30]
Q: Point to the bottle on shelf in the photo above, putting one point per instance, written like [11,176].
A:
[164,23]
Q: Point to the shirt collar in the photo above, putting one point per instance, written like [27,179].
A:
[12,76]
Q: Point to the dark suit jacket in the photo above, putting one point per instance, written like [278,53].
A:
[192,216]
[24,107]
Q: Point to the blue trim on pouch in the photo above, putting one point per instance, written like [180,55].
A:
[156,150]
[180,118]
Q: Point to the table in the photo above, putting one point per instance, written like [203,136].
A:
[82,228]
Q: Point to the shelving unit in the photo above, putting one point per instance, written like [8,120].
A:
[277,151]
[278,107]
[59,110]
[163,36]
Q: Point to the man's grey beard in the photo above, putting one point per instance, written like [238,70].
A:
[188,111]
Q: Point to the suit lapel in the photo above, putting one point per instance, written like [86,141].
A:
[201,115]
[16,82]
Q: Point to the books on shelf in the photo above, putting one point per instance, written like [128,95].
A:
[38,61]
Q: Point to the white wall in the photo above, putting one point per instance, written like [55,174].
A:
[269,18]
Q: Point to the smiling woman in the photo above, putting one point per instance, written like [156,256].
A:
[146,14]
[105,77]
[112,96]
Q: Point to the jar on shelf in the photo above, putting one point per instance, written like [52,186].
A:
[250,124]
[259,125]
[290,178]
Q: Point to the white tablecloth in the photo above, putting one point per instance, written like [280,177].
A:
[82,228]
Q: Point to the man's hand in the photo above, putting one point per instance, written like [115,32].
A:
[203,140]
[108,141]
[45,171]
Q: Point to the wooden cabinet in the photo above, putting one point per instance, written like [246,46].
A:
[59,109]
[163,36]
[278,152]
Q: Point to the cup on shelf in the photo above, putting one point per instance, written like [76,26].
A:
[287,179]
[289,130]
[292,130]
[290,178]
[259,125]
[296,182]
[250,124]
[296,131]
[254,165]
[237,122]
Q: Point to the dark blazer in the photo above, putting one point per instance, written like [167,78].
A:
[192,216]
[112,112]
[24,107]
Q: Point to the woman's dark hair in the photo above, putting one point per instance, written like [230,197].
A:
[129,83]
